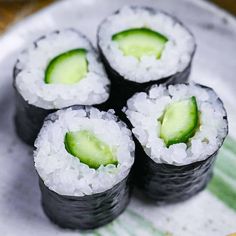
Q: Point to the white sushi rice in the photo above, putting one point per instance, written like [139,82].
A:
[64,173]
[176,55]
[32,63]
[144,110]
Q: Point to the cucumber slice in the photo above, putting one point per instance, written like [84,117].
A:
[67,68]
[179,122]
[140,42]
[89,149]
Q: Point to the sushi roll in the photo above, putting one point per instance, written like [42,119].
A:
[178,131]
[83,158]
[59,70]
[141,46]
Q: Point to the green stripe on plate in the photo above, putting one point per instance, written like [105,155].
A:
[223,183]
[226,162]
[230,144]
[223,189]
[141,222]
[129,223]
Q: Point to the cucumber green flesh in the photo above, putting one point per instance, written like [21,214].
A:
[67,68]
[140,42]
[89,149]
[180,121]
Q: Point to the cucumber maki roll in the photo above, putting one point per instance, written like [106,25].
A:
[178,131]
[141,46]
[58,70]
[83,157]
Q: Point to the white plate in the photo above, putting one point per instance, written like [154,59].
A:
[214,65]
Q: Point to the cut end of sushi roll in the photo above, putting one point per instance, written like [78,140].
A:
[67,68]
[59,70]
[89,149]
[179,124]
[82,151]
[139,42]
[142,44]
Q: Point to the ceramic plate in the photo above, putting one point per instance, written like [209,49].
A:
[212,212]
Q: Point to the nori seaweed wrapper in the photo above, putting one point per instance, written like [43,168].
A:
[29,118]
[122,89]
[86,212]
[166,183]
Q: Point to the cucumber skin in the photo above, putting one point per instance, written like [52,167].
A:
[189,135]
[89,162]
[161,38]
[57,58]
